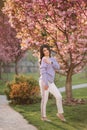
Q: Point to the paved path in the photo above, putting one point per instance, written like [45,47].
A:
[74,87]
[10,119]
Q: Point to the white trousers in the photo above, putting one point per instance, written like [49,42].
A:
[45,93]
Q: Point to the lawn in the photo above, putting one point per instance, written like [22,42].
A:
[59,79]
[2,87]
[79,93]
[76,116]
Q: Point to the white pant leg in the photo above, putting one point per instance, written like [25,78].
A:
[56,93]
[44,95]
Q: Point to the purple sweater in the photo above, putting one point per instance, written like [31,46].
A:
[47,71]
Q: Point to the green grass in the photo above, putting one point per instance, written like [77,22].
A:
[79,93]
[2,87]
[76,116]
[79,79]
[35,75]
[59,79]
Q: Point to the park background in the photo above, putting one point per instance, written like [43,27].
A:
[76,114]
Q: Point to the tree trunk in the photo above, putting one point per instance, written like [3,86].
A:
[0,70]
[16,68]
[69,86]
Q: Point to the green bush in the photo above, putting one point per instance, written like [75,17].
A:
[23,90]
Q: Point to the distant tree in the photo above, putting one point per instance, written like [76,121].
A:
[10,49]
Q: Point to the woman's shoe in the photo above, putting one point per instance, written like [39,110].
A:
[61,117]
[45,119]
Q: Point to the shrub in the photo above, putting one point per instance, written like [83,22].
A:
[23,90]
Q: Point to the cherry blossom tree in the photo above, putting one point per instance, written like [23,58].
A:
[60,23]
[10,49]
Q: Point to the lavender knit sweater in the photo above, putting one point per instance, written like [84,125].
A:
[47,71]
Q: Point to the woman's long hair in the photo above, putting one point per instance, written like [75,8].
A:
[42,53]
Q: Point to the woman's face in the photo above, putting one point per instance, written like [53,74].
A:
[46,52]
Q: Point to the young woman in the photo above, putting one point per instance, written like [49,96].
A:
[48,67]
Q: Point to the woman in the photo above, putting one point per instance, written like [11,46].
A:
[48,67]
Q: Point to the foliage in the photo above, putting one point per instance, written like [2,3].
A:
[10,49]
[60,23]
[9,44]
[24,90]
[57,23]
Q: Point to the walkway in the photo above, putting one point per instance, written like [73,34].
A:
[12,120]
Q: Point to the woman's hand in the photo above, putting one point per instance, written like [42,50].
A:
[46,60]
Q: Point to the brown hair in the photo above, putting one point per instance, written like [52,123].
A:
[41,51]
